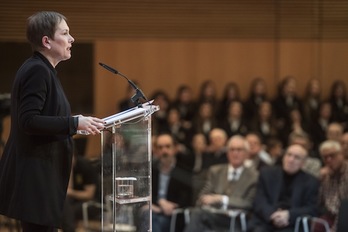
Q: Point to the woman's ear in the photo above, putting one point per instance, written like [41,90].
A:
[46,42]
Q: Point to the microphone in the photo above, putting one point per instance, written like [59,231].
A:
[138,93]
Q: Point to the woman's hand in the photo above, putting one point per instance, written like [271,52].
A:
[92,125]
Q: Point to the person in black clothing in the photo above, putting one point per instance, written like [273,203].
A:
[36,163]
[257,95]
[339,102]
[82,187]
[284,193]
[285,102]
[171,184]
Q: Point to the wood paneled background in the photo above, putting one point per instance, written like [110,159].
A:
[165,43]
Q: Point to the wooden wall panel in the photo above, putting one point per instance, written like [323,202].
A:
[164,43]
[107,19]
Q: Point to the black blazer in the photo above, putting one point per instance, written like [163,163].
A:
[179,187]
[304,199]
[36,163]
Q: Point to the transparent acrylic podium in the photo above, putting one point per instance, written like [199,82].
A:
[126,170]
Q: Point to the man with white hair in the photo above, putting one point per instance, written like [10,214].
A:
[334,186]
[228,186]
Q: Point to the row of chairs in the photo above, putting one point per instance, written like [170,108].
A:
[304,223]
[237,217]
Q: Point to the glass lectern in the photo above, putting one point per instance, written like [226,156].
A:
[126,170]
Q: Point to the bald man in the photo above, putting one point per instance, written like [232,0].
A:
[284,193]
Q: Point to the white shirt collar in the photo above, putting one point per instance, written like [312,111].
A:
[238,171]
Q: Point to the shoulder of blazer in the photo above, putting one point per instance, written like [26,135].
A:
[250,172]
[218,168]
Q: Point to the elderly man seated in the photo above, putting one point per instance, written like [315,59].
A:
[334,186]
[229,186]
[284,193]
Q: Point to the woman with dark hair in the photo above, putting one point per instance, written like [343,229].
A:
[311,101]
[339,102]
[257,95]
[230,93]
[36,163]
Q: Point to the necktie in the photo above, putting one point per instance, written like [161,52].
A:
[233,175]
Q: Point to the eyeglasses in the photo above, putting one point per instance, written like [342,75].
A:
[236,149]
[327,156]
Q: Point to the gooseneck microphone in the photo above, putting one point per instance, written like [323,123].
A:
[138,93]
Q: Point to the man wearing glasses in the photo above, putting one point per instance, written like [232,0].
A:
[334,186]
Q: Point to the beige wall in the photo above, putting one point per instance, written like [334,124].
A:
[165,64]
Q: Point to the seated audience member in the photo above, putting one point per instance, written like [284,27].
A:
[334,131]
[257,95]
[274,148]
[159,119]
[334,185]
[344,144]
[204,121]
[264,123]
[216,150]
[286,101]
[284,193]
[170,184]
[230,93]
[339,101]
[208,93]
[199,147]
[234,123]
[257,158]
[174,126]
[312,164]
[318,127]
[184,102]
[82,188]
[229,186]
[311,100]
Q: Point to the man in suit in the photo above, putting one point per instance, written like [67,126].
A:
[171,184]
[284,193]
[229,186]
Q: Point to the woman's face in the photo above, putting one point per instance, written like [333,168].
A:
[60,45]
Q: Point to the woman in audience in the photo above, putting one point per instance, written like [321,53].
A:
[257,94]
[318,127]
[263,123]
[161,99]
[286,101]
[207,93]
[339,102]
[184,102]
[176,128]
[311,101]
[233,123]
[205,120]
[230,93]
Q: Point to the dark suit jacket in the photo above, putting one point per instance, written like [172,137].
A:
[179,187]
[36,163]
[304,198]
